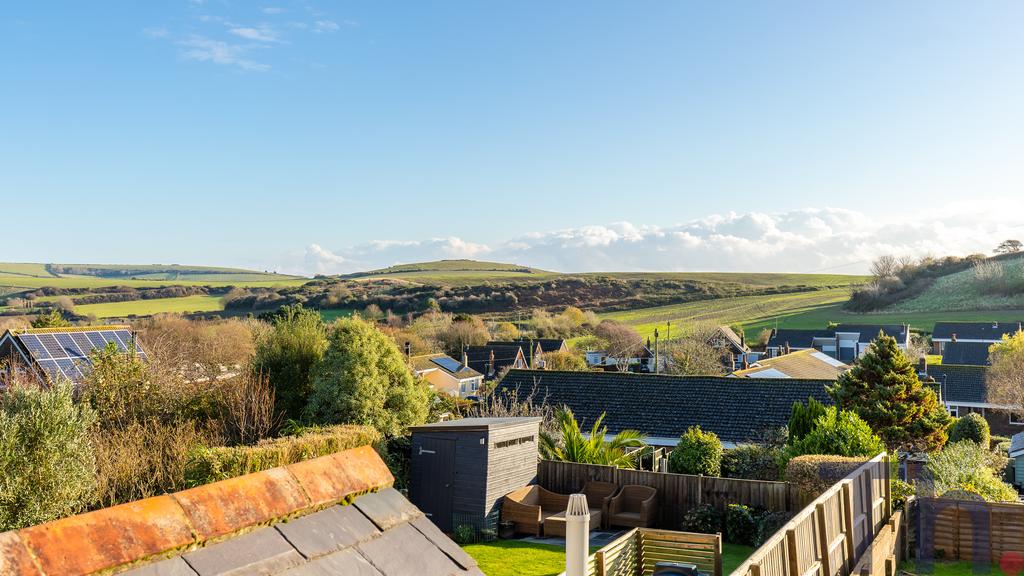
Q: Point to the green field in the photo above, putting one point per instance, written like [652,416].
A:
[333,314]
[150,307]
[16,269]
[748,310]
[964,291]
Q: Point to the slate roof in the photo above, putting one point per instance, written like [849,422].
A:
[663,406]
[988,331]
[427,362]
[869,332]
[960,383]
[797,338]
[236,527]
[736,343]
[478,357]
[807,363]
[969,353]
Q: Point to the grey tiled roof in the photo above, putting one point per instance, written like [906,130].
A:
[992,331]
[478,357]
[960,383]
[736,409]
[972,353]
[797,338]
[380,534]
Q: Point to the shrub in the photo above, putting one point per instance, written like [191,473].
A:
[768,524]
[212,464]
[815,473]
[802,418]
[971,427]
[740,524]
[840,433]
[752,462]
[465,534]
[143,459]
[900,492]
[287,355]
[966,470]
[705,519]
[47,465]
[697,452]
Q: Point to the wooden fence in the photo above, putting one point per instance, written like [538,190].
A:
[677,493]
[637,551]
[830,535]
[968,530]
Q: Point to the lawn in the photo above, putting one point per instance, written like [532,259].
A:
[333,314]
[518,558]
[149,307]
[949,569]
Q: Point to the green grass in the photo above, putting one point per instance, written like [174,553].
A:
[24,269]
[22,283]
[518,558]
[150,307]
[332,315]
[819,317]
[963,291]
[938,568]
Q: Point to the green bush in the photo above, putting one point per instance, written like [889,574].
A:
[752,462]
[815,473]
[740,524]
[705,519]
[995,442]
[966,470]
[47,464]
[840,433]
[900,492]
[212,464]
[971,427]
[802,418]
[768,524]
[697,452]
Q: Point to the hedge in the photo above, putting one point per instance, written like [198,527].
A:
[815,473]
[212,464]
[698,452]
[971,427]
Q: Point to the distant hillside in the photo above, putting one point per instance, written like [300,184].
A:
[450,266]
[995,284]
[10,272]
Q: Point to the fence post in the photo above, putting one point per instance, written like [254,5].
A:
[792,554]
[599,562]
[848,524]
[888,485]
[826,561]
[700,489]
[718,555]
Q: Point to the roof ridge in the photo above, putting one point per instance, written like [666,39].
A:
[609,374]
[194,517]
[21,331]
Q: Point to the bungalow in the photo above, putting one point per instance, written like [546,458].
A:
[800,364]
[491,360]
[966,353]
[534,349]
[642,361]
[734,347]
[446,374]
[963,389]
[664,406]
[846,342]
[976,332]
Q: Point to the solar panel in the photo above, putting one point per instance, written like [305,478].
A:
[448,364]
[66,354]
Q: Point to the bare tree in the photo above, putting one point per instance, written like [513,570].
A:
[884,266]
[698,352]
[248,408]
[1004,378]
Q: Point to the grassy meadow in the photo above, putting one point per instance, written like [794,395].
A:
[151,307]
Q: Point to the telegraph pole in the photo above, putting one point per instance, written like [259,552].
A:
[655,350]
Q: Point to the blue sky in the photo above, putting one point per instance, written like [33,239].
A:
[330,136]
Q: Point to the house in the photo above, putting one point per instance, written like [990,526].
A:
[966,353]
[52,353]
[734,347]
[1017,456]
[845,342]
[807,363]
[642,361]
[535,348]
[976,332]
[963,389]
[663,406]
[337,514]
[446,374]
[492,360]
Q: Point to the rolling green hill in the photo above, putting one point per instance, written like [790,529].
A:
[998,284]
[17,277]
[456,272]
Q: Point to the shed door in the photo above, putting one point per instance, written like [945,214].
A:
[433,479]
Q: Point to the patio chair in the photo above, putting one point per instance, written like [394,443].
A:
[633,507]
[598,495]
[529,506]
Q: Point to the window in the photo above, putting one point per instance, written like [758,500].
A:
[954,411]
[513,442]
[1016,419]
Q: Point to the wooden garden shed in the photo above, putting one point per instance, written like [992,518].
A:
[461,469]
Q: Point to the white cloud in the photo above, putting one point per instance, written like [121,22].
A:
[204,49]
[272,10]
[809,240]
[257,34]
[322,26]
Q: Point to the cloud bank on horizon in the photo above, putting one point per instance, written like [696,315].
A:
[827,240]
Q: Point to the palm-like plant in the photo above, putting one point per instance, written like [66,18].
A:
[569,444]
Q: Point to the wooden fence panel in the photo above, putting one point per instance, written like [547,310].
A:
[968,530]
[569,477]
[704,550]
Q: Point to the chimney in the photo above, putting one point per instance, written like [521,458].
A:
[408,349]
[746,363]
[743,339]
[922,365]
[490,364]
[953,337]
[786,349]
[465,356]
[577,535]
